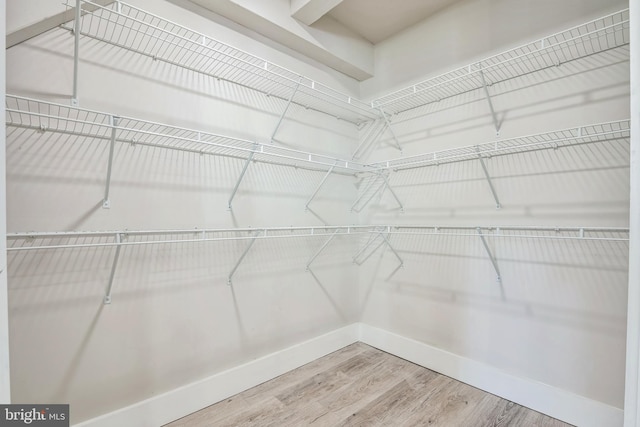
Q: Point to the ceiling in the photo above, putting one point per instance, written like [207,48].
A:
[377,20]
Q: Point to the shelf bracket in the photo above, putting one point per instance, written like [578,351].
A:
[286,108]
[364,249]
[493,112]
[370,136]
[386,240]
[76,53]
[322,248]
[393,193]
[493,261]
[107,297]
[386,120]
[488,177]
[364,192]
[244,171]
[106,203]
[306,205]
[244,254]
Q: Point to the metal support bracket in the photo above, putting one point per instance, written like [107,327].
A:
[106,203]
[393,193]
[386,240]
[488,177]
[244,254]
[76,53]
[244,170]
[322,248]
[370,136]
[286,108]
[386,120]
[493,261]
[107,297]
[364,192]
[306,205]
[493,112]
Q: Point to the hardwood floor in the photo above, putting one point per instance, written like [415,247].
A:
[363,386]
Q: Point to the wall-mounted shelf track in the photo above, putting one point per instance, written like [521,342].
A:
[597,36]
[128,27]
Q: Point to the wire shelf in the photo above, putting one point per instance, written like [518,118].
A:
[44,116]
[600,35]
[139,31]
[29,241]
[595,133]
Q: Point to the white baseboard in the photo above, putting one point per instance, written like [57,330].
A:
[177,403]
[555,402]
[185,400]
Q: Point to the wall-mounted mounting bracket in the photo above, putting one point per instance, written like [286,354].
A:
[496,125]
[244,170]
[286,108]
[488,177]
[386,240]
[494,262]
[322,248]
[371,135]
[244,254]
[106,203]
[365,247]
[306,205]
[380,176]
[107,296]
[393,193]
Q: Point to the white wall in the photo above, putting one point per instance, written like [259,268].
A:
[173,319]
[562,321]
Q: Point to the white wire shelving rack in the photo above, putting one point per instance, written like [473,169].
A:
[378,236]
[44,117]
[134,29]
[594,37]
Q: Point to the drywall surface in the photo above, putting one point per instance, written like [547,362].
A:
[558,314]
[173,319]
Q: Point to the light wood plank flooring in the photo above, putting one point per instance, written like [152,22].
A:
[363,386]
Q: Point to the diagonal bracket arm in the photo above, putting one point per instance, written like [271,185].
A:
[286,108]
[488,177]
[244,254]
[493,111]
[114,265]
[324,179]
[322,248]
[493,261]
[244,171]
[393,134]
[106,203]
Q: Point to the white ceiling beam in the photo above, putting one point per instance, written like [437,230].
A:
[309,11]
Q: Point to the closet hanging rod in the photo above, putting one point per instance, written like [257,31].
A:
[142,32]
[95,124]
[580,135]
[593,37]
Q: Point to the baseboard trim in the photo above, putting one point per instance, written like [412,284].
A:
[563,405]
[177,403]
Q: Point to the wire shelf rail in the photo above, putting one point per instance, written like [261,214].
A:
[595,133]
[600,35]
[134,29]
[44,116]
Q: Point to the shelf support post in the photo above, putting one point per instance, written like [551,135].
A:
[488,177]
[107,297]
[306,205]
[393,134]
[322,248]
[244,170]
[76,52]
[244,254]
[286,108]
[493,261]
[106,203]
[493,112]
